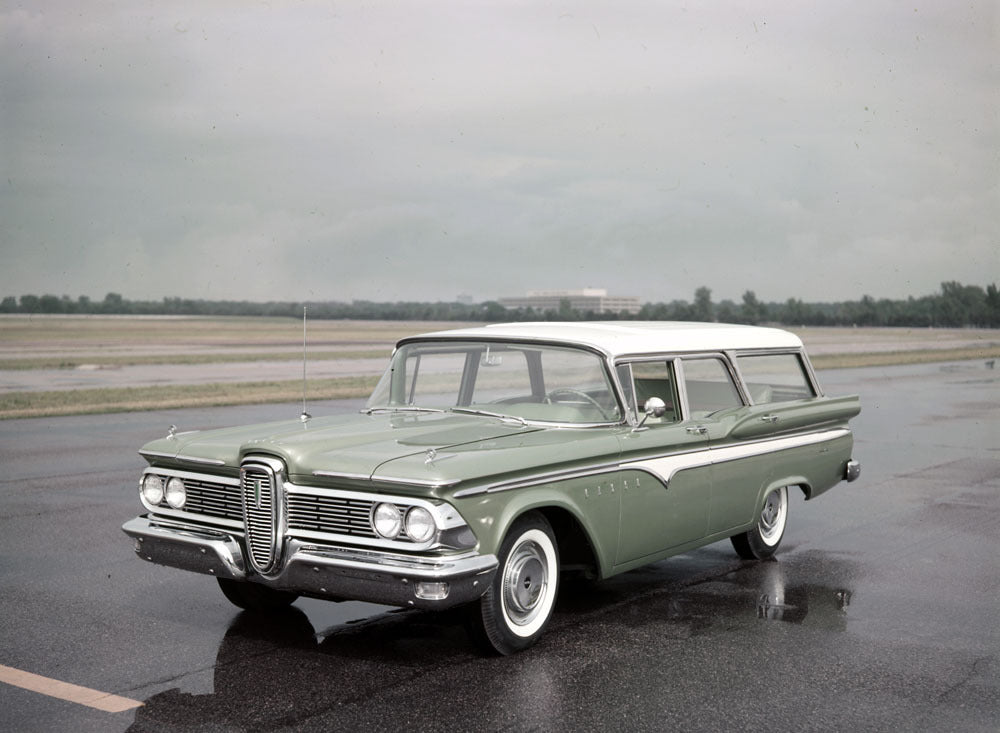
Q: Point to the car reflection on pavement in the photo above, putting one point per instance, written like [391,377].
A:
[277,671]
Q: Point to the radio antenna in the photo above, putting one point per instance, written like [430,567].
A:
[305,415]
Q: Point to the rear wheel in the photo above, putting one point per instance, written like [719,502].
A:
[514,611]
[762,541]
[255,597]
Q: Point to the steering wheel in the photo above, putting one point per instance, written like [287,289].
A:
[554,395]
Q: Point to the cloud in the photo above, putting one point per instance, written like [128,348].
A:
[382,151]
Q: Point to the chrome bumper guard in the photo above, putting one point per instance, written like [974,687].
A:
[852,471]
[335,573]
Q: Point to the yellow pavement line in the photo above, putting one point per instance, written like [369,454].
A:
[65,691]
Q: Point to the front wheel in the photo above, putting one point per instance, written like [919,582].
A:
[255,597]
[762,541]
[514,611]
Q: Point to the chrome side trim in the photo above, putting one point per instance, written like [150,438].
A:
[541,478]
[666,467]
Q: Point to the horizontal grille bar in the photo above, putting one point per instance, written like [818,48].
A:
[336,515]
[212,499]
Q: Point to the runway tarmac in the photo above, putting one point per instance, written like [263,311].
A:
[879,613]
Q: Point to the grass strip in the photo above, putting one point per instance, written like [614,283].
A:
[132,399]
[75,362]
[902,358]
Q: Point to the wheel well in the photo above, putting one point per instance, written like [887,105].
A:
[791,482]
[575,551]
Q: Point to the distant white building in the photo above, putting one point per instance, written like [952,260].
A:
[588,299]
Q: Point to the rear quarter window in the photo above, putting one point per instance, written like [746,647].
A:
[709,386]
[775,377]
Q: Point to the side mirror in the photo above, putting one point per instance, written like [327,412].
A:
[655,407]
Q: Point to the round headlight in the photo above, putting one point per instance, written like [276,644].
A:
[176,493]
[387,521]
[419,524]
[152,489]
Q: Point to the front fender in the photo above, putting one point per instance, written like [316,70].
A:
[593,502]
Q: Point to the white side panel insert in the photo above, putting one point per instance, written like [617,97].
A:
[666,467]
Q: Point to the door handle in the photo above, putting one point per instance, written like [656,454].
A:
[769,418]
[699,430]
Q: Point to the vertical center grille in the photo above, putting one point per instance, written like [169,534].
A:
[260,514]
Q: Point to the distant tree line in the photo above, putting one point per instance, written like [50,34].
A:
[956,305]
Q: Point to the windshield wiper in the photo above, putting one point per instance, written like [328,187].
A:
[487,413]
[400,408]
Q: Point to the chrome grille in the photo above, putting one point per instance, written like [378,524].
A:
[260,515]
[213,499]
[332,514]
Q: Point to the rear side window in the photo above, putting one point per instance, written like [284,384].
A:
[775,378]
[709,387]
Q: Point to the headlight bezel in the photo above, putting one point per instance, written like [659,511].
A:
[395,521]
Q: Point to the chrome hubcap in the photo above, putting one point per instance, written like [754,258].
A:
[524,583]
[772,516]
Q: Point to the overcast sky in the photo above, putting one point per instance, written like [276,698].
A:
[422,150]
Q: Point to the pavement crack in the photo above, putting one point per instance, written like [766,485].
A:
[975,670]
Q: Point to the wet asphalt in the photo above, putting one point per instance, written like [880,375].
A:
[879,613]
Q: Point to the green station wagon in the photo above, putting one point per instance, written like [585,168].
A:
[489,460]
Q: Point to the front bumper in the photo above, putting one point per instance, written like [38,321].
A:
[336,573]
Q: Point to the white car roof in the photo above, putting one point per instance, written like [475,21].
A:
[621,338]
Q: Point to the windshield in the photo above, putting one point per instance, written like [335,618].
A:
[518,380]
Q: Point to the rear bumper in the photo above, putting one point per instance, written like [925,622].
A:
[337,573]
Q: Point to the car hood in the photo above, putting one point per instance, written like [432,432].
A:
[420,449]
[353,445]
